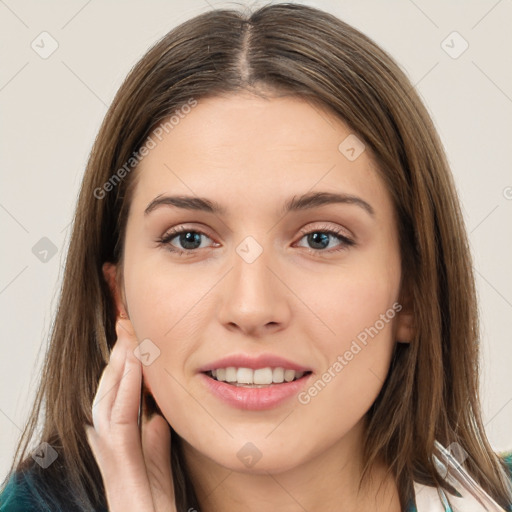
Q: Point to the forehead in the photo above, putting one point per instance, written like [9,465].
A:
[247,152]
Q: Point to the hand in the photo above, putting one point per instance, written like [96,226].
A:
[135,465]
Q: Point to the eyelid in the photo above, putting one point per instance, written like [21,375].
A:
[334,228]
[183,228]
[346,240]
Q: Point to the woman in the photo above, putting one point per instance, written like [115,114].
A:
[321,337]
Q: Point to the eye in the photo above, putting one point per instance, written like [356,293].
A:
[190,239]
[320,239]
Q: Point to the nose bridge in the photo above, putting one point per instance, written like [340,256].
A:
[253,296]
[251,280]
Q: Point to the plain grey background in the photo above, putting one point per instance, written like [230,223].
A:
[52,106]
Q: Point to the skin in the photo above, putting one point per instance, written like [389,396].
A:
[251,155]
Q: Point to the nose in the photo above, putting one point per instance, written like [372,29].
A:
[254,299]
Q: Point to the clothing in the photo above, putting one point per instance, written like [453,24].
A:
[18,496]
[431,499]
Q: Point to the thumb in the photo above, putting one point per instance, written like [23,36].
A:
[94,442]
[156,448]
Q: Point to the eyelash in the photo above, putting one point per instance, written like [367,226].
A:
[344,245]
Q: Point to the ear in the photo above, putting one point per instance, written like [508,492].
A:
[404,325]
[110,275]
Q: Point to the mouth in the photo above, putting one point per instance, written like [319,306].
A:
[257,389]
[256,378]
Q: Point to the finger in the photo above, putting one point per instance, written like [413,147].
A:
[109,382]
[107,388]
[126,326]
[125,409]
[156,448]
[96,448]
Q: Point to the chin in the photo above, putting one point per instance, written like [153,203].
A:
[256,458]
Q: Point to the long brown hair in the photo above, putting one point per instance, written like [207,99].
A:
[432,388]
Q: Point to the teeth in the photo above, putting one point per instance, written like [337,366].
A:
[245,376]
[259,377]
[278,375]
[289,375]
[231,374]
[262,376]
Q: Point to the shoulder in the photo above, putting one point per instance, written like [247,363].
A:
[427,498]
[22,493]
[18,495]
[507,459]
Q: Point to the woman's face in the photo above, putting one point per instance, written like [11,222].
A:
[316,285]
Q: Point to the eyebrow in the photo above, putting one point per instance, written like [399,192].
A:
[303,202]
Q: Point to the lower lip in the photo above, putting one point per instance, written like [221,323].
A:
[255,399]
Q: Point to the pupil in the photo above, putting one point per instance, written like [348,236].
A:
[313,238]
[190,238]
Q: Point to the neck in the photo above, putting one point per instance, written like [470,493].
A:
[327,481]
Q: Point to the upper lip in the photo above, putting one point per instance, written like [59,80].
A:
[254,362]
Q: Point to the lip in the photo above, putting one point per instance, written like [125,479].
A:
[260,361]
[255,399]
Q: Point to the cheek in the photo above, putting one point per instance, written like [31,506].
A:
[168,307]
[359,307]
[357,356]
[159,295]
[347,301]
[178,405]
